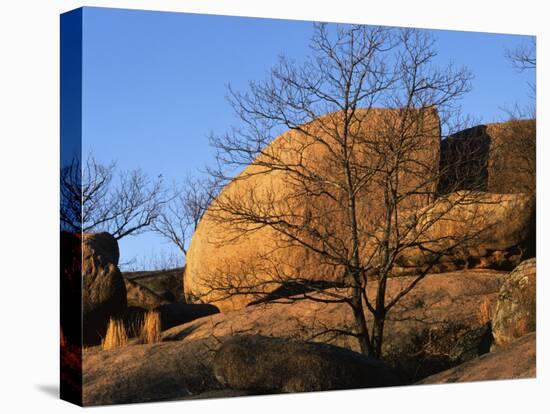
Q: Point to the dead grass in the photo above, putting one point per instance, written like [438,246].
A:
[150,330]
[116,335]
[134,325]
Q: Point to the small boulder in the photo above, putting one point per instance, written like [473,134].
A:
[515,313]
[103,289]
[151,372]
[265,364]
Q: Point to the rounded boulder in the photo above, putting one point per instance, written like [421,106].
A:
[103,288]
[515,313]
[265,364]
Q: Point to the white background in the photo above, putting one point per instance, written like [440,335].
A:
[29,155]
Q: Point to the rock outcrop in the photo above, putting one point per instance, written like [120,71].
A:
[497,158]
[264,364]
[514,361]
[103,289]
[421,330]
[154,372]
[515,313]
[476,230]
[233,262]
[141,296]
[167,283]
[229,252]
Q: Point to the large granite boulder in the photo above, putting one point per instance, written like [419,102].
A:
[265,364]
[229,254]
[503,161]
[515,313]
[475,229]
[103,289]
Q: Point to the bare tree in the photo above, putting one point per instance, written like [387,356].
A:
[360,182]
[97,198]
[185,208]
[524,58]
[516,149]
[519,131]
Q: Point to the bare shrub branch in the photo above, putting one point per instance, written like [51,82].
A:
[185,208]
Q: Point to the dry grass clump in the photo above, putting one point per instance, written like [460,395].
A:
[150,330]
[146,329]
[116,335]
[485,311]
[134,325]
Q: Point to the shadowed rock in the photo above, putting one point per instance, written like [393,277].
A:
[505,160]
[472,344]
[266,364]
[166,283]
[141,296]
[103,289]
[514,361]
[174,314]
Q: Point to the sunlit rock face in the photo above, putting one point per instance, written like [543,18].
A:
[490,231]
[230,253]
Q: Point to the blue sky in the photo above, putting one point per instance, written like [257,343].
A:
[154,85]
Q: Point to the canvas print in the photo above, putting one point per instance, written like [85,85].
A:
[259,206]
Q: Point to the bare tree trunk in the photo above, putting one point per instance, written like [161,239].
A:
[361,329]
[378,330]
[357,297]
